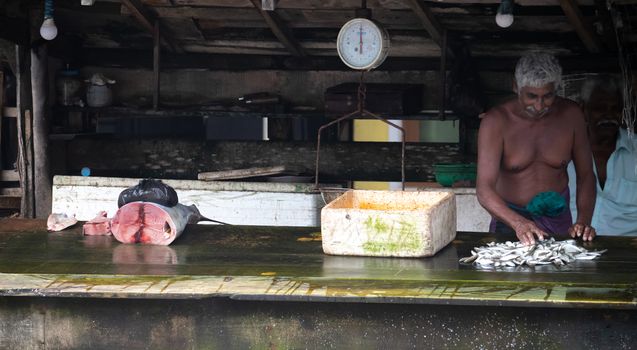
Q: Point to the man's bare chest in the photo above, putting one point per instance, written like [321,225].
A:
[523,146]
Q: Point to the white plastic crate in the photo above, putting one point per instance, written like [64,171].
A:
[389,223]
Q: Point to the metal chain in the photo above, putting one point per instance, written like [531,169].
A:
[360,112]
[362,93]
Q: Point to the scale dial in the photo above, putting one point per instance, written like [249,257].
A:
[362,44]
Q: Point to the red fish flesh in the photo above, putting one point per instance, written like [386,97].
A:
[152,223]
[98,226]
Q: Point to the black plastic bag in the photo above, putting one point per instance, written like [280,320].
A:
[149,190]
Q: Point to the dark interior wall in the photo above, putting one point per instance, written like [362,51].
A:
[203,87]
[186,87]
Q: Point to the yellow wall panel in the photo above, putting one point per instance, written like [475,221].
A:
[370,130]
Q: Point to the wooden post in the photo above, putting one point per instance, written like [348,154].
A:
[39,85]
[23,77]
[443,74]
[156,64]
[1,113]
[28,138]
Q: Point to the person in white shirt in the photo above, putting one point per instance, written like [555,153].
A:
[614,154]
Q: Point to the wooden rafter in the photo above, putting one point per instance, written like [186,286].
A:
[280,30]
[147,20]
[430,23]
[582,28]
[239,62]
[608,31]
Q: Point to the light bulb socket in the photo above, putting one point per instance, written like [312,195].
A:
[48,9]
[506,7]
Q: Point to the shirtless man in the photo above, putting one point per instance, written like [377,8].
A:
[524,147]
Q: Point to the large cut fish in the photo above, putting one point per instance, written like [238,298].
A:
[152,223]
[149,213]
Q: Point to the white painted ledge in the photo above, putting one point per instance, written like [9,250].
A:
[239,203]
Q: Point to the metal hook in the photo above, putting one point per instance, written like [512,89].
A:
[361,111]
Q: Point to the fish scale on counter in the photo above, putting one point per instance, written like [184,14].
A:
[545,252]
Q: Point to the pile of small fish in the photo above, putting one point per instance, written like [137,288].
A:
[545,252]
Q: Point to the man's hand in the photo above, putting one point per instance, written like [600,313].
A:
[526,232]
[587,232]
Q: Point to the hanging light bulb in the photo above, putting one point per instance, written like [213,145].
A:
[504,17]
[48,30]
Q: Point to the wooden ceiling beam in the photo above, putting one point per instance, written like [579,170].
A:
[432,26]
[582,28]
[374,4]
[241,62]
[147,20]
[428,20]
[280,30]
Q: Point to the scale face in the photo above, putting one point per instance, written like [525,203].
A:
[362,44]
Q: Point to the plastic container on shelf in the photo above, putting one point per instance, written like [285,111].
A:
[99,96]
[69,87]
[98,93]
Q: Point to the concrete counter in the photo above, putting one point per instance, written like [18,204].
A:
[247,287]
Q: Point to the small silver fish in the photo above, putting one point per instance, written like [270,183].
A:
[509,254]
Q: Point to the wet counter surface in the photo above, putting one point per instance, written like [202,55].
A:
[283,263]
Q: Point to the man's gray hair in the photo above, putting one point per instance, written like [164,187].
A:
[536,69]
[605,83]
